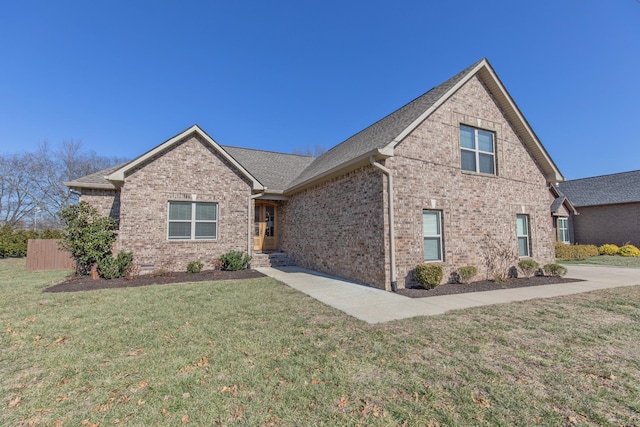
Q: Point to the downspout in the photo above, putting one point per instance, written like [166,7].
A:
[392,234]
[249,230]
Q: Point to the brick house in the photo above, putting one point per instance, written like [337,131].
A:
[609,207]
[433,181]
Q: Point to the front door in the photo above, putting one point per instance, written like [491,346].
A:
[265,224]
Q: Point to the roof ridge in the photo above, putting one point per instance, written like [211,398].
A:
[267,151]
[602,176]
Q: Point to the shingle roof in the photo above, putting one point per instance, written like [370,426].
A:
[96,179]
[603,190]
[381,133]
[274,170]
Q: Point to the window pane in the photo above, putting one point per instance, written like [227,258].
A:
[485,141]
[523,246]
[486,163]
[521,221]
[179,230]
[205,230]
[467,137]
[432,249]
[430,224]
[206,211]
[468,160]
[180,211]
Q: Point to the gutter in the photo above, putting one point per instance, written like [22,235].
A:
[392,240]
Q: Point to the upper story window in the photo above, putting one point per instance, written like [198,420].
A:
[477,150]
[193,221]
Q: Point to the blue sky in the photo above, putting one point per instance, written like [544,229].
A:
[124,76]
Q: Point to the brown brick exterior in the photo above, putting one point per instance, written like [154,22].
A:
[616,224]
[107,202]
[337,227]
[190,168]
[427,175]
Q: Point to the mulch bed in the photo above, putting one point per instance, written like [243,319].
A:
[85,283]
[484,285]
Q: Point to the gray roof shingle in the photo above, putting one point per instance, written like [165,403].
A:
[603,190]
[274,170]
[379,134]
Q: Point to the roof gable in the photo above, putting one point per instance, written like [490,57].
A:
[382,137]
[118,176]
[611,189]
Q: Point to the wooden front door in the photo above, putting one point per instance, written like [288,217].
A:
[265,236]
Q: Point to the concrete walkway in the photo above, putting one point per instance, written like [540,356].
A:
[378,306]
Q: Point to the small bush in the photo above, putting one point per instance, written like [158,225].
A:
[234,260]
[194,267]
[428,275]
[575,252]
[608,250]
[555,270]
[467,273]
[114,268]
[528,267]
[629,251]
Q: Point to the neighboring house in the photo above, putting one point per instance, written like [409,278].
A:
[609,207]
[438,180]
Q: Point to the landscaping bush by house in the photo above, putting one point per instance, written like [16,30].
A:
[428,275]
[555,270]
[575,252]
[194,267]
[608,249]
[114,268]
[629,251]
[528,267]
[234,260]
[466,273]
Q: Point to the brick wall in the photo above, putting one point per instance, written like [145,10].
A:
[107,202]
[190,170]
[337,227]
[617,224]
[427,175]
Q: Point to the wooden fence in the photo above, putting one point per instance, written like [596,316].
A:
[44,254]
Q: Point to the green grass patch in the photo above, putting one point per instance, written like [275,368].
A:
[256,352]
[609,260]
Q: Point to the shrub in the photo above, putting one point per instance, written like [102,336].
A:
[428,275]
[528,267]
[575,252]
[87,235]
[629,251]
[194,267]
[498,259]
[467,273]
[555,270]
[114,268]
[13,241]
[234,260]
[608,250]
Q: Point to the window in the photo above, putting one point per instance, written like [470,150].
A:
[432,233]
[477,150]
[563,230]
[522,225]
[193,221]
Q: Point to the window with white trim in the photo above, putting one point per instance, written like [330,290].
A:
[522,226]
[477,150]
[192,221]
[563,230]
[432,234]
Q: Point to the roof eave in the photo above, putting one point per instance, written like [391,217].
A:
[341,169]
[87,185]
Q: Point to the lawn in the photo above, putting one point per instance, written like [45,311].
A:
[613,261]
[258,353]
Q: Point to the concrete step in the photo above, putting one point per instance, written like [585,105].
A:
[271,259]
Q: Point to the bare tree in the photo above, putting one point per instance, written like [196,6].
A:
[31,184]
